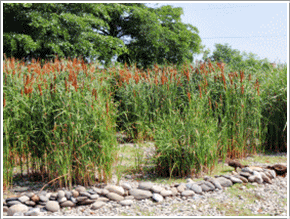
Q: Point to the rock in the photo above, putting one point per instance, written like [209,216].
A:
[210,185]
[81,198]
[255,178]
[126,186]
[67,204]
[188,185]
[272,173]
[53,196]
[11,203]
[91,191]
[48,195]
[29,194]
[166,193]
[105,192]
[140,194]
[30,203]
[235,179]
[166,187]
[42,203]
[174,191]
[196,188]
[226,176]
[181,187]
[86,202]
[130,197]
[258,177]
[259,169]
[68,194]
[157,197]
[247,169]
[74,200]
[35,198]
[244,179]
[81,189]
[43,198]
[97,205]
[156,189]
[33,212]
[126,192]
[252,178]
[42,208]
[145,185]
[265,178]
[245,174]
[175,184]
[206,178]
[116,189]
[127,202]
[224,182]
[189,180]
[114,196]
[103,199]
[17,208]
[17,214]
[205,188]
[215,183]
[75,193]
[60,194]
[187,193]
[268,174]
[61,200]
[52,206]
[94,197]
[23,198]
[85,194]
[12,198]
[97,190]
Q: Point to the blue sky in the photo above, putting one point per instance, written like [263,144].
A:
[264,26]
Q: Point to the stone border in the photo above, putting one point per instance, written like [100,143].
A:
[30,203]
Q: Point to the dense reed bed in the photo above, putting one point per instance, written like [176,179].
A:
[60,119]
[194,114]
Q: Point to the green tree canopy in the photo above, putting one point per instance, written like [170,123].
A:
[132,32]
[226,54]
[236,59]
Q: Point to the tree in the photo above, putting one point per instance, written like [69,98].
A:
[226,54]
[206,53]
[68,30]
[132,32]
[162,37]
[237,60]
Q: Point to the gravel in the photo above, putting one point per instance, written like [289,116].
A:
[243,199]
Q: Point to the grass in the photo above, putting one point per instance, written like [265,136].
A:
[128,166]
[268,159]
[237,209]
[235,190]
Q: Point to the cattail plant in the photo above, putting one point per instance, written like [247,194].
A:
[63,130]
[60,118]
